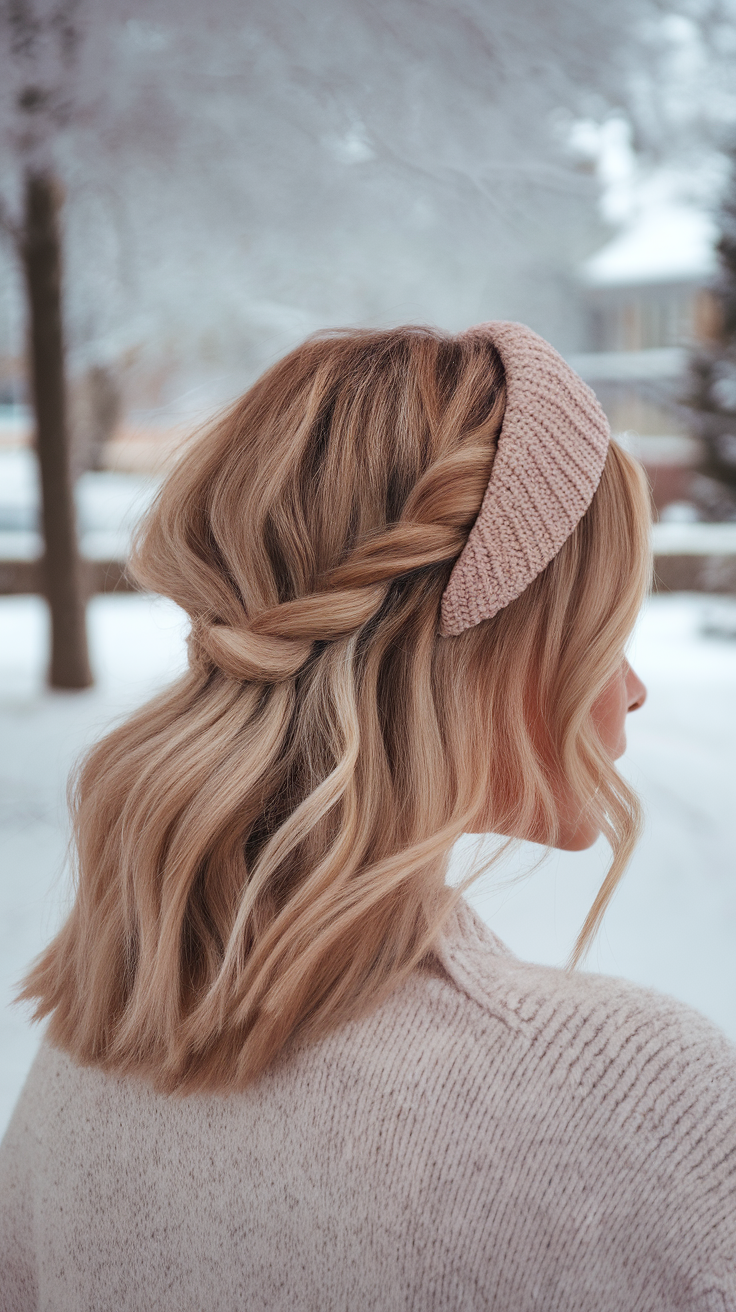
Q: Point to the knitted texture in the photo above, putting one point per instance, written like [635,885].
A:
[551,452]
[496,1136]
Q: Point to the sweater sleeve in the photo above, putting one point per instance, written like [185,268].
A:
[651,1101]
[683,1110]
[623,1102]
[18,1281]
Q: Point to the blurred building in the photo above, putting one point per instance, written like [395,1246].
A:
[646,299]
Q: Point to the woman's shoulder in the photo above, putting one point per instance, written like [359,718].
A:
[595,1019]
[618,1100]
[619,1055]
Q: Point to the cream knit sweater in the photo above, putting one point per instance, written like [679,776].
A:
[498,1135]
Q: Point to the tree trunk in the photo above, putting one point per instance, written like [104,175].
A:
[63,573]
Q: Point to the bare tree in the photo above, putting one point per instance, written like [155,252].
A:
[42,42]
[62,568]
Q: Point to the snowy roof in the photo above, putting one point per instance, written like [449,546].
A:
[669,243]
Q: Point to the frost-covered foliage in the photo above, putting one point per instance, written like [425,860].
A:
[236,176]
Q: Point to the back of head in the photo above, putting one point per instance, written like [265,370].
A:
[262,850]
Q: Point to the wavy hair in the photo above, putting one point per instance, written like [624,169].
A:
[261,851]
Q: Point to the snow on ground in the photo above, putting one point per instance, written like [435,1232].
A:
[672,924]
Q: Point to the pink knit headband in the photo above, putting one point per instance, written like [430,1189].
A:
[551,451]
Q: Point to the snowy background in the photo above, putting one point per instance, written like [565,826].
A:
[672,924]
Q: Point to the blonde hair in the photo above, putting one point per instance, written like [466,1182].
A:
[261,851]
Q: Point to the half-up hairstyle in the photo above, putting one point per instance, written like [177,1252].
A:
[261,851]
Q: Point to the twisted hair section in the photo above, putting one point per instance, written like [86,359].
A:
[279,640]
[261,851]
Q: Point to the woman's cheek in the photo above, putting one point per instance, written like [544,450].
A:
[609,716]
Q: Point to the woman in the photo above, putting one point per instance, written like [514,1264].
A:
[285,1066]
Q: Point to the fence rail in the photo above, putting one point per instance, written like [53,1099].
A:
[20,577]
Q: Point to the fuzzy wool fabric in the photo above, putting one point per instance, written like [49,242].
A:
[497,1135]
[551,451]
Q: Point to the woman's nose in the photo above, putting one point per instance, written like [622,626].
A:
[636,691]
